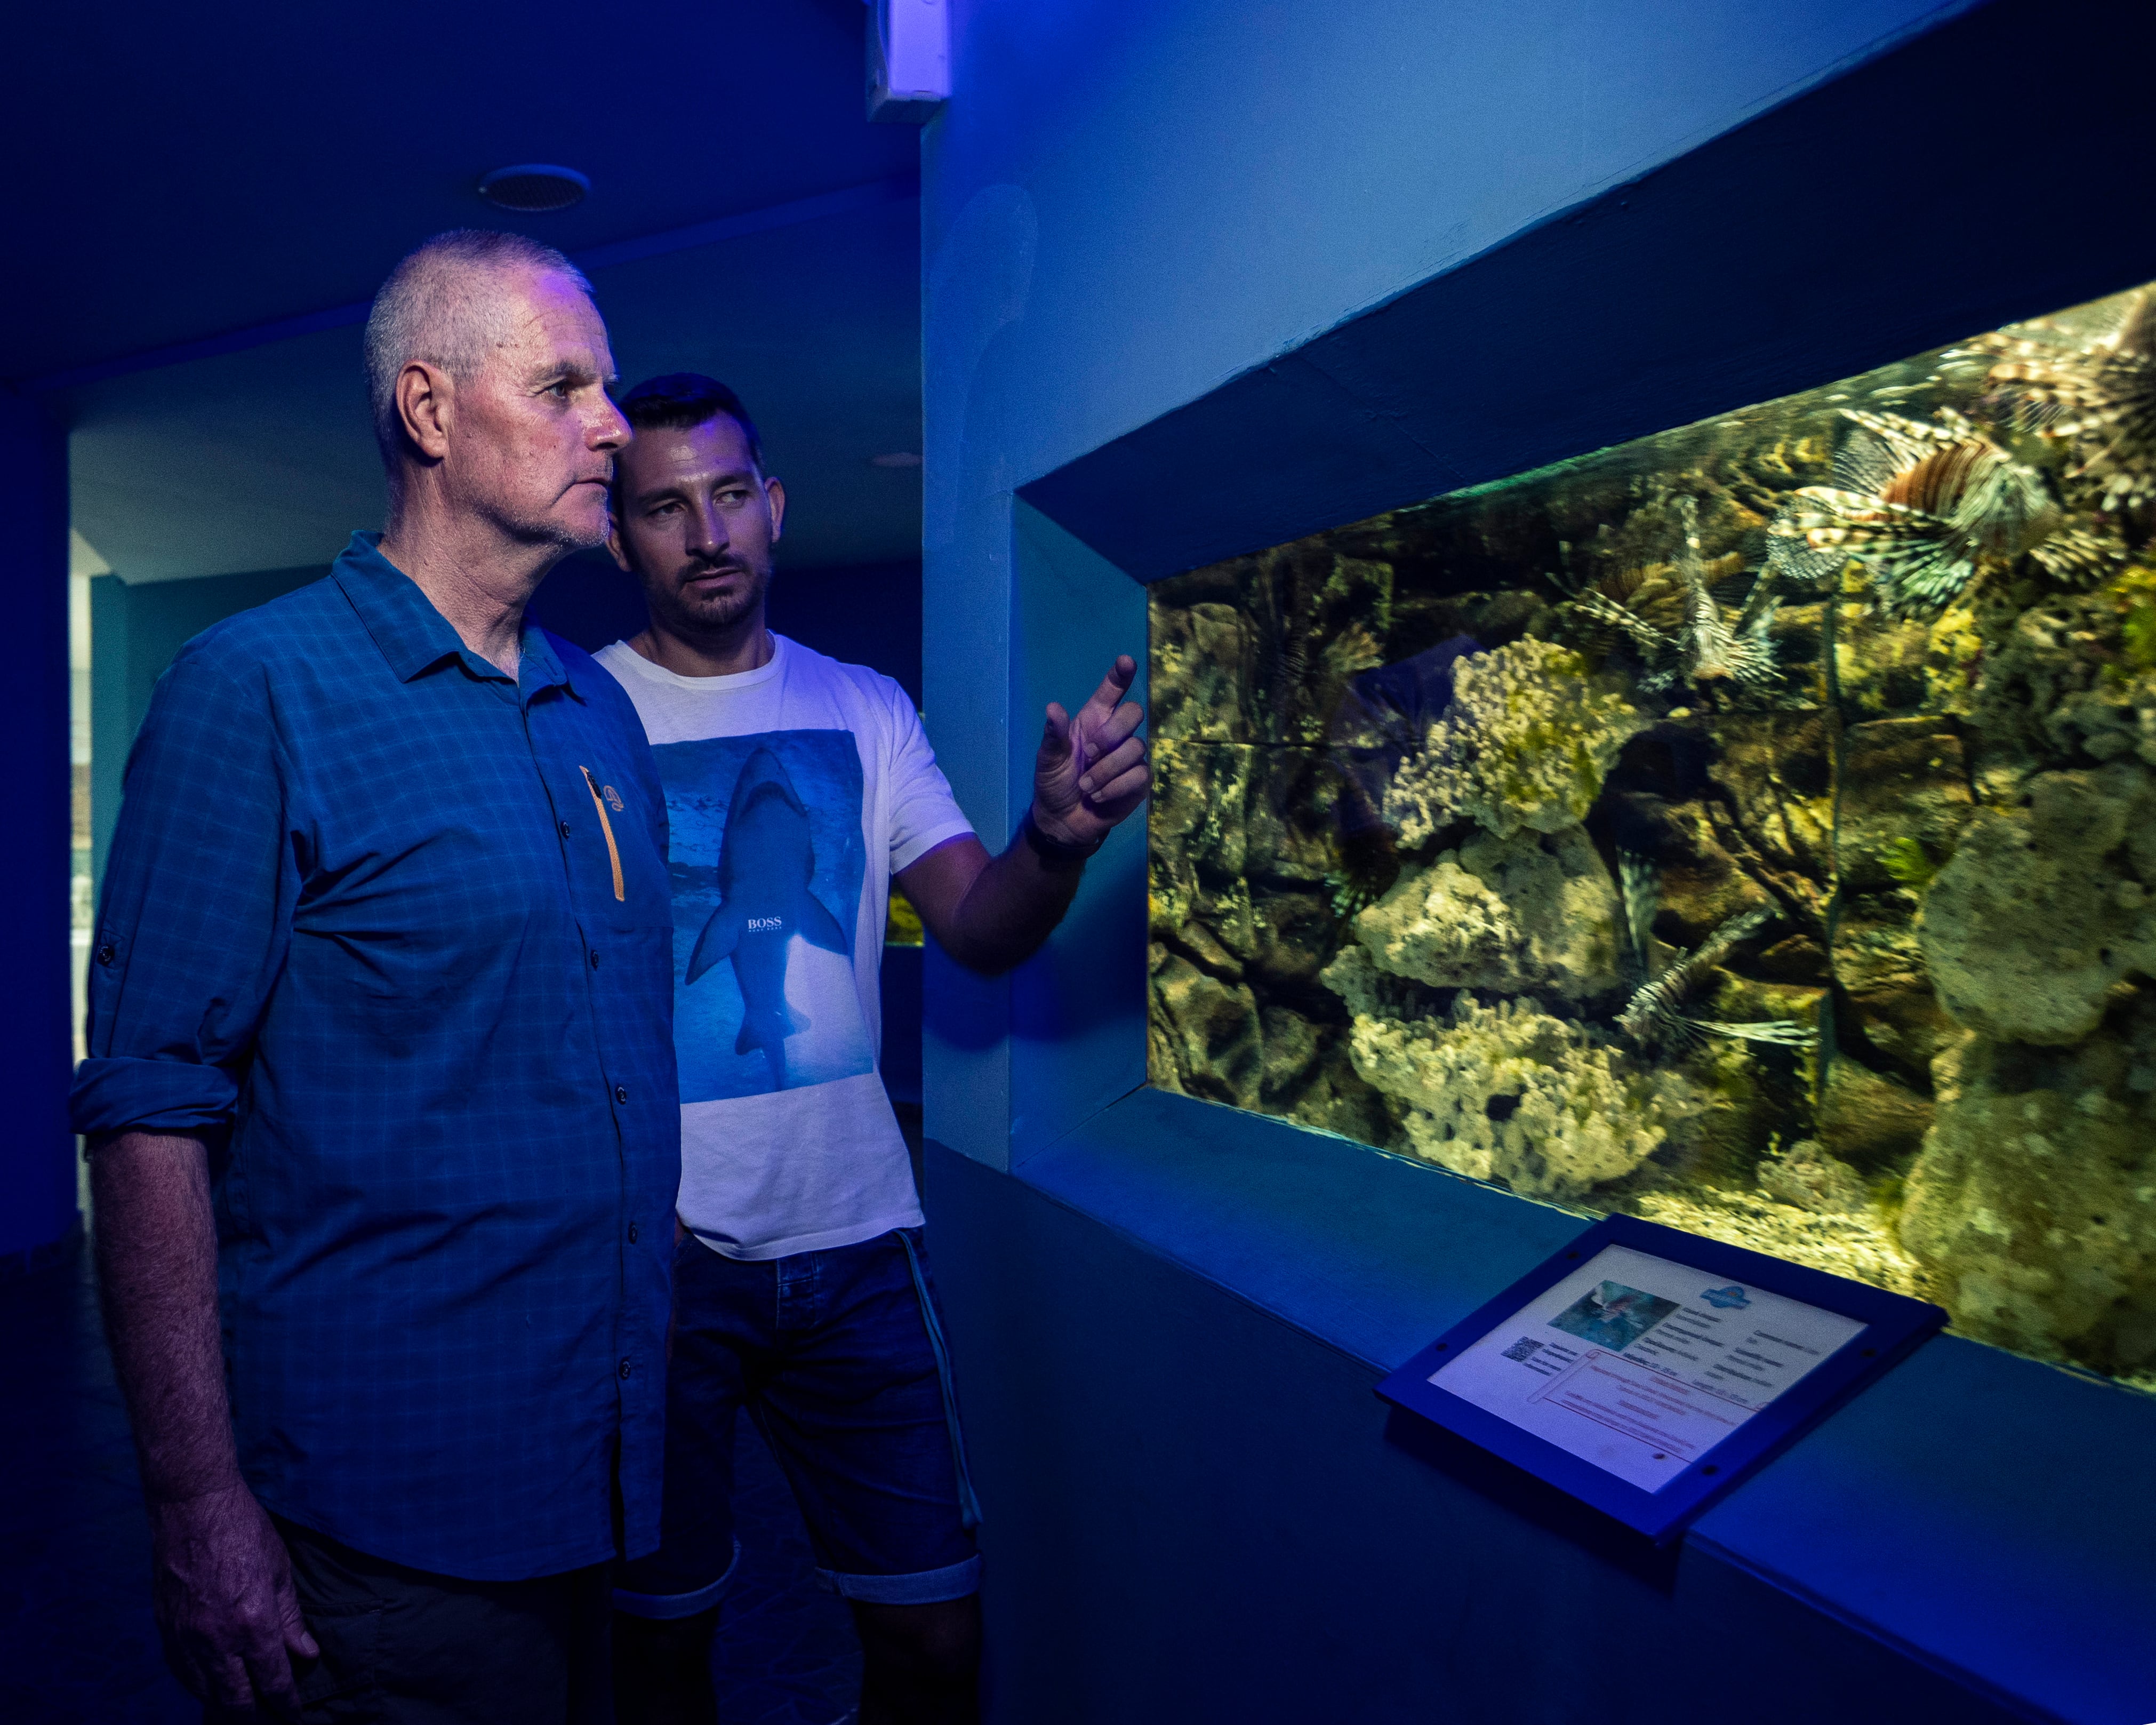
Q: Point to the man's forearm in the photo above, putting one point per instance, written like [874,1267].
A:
[1012,907]
[156,1264]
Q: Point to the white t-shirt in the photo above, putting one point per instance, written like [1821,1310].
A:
[793,793]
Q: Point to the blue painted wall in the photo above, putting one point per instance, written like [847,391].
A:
[37,1150]
[1198,276]
[1231,1537]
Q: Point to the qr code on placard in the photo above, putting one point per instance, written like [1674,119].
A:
[1522,1348]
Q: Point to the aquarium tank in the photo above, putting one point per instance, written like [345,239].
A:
[1750,828]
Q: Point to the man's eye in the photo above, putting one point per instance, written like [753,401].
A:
[559,391]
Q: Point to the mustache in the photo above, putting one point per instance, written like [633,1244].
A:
[700,567]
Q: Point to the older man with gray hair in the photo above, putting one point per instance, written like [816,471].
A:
[381,1095]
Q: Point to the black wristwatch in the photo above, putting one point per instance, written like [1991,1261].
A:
[1055,856]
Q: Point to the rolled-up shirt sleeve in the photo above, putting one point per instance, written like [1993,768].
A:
[195,916]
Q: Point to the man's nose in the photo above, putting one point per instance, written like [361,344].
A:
[608,430]
[709,529]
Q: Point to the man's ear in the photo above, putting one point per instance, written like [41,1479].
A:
[777,493]
[425,400]
[615,545]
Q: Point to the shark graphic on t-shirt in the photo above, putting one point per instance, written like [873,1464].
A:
[767,861]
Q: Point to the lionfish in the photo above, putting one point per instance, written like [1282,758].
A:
[2100,396]
[1700,646]
[1921,506]
[1655,1014]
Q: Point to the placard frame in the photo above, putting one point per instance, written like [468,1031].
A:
[1894,1327]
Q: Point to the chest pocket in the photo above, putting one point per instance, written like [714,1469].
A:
[428,882]
[628,887]
[602,795]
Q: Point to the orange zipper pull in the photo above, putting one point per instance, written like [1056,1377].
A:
[606,826]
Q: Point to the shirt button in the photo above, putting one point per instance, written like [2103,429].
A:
[595,961]
[625,1368]
[105,954]
[631,1233]
[621,1093]
[565,829]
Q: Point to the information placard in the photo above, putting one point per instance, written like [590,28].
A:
[1646,1369]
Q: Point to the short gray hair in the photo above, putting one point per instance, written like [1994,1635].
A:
[436,308]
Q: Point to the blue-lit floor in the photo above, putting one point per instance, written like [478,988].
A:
[76,1640]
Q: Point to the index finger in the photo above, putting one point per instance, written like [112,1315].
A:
[1120,675]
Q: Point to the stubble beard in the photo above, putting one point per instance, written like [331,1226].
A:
[693,619]
[565,530]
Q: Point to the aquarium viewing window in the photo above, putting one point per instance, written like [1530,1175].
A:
[1750,828]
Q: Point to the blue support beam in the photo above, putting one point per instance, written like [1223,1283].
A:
[38,1213]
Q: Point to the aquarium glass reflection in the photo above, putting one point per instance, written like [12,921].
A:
[1752,827]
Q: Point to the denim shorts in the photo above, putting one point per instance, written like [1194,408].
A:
[838,1357]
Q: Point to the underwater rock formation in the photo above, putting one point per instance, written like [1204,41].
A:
[1530,911]
[1841,1242]
[1868,1120]
[1525,742]
[1204,1031]
[2034,1202]
[1508,1092]
[1753,829]
[2040,913]
[1807,1176]
[1905,798]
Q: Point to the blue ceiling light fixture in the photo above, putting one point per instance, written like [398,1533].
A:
[534,188]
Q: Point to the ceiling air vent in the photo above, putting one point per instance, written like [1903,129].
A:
[532,189]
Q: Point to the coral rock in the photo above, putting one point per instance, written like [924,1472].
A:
[1880,662]
[1868,1120]
[1204,1036]
[2031,925]
[1854,1245]
[1525,743]
[1904,801]
[1529,912]
[1887,998]
[1778,769]
[1508,1093]
[1808,1178]
[2034,1199]
[1202,672]
[1201,793]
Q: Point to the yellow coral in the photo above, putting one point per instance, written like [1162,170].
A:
[1530,912]
[1525,742]
[1510,1094]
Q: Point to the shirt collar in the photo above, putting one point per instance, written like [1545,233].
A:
[415,638]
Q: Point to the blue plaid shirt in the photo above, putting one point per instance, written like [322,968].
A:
[391,933]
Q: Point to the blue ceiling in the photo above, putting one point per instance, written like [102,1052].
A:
[195,182]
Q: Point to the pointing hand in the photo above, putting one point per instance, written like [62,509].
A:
[1090,772]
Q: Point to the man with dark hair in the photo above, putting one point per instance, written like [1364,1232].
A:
[380,1096]
[797,789]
